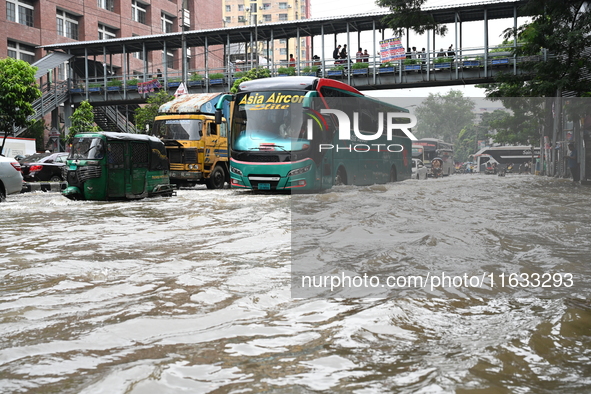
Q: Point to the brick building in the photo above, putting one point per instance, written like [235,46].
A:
[26,24]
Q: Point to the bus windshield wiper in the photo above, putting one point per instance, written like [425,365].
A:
[264,147]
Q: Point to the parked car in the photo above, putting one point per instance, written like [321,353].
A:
[419,171]
[11,179]
[44,167]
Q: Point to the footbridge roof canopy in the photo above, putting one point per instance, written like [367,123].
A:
[466,12]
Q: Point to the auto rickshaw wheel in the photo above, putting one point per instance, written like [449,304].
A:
[216,179]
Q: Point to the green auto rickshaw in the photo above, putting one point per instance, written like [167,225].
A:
[116,166]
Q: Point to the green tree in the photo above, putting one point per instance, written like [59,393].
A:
[145,115]
[407,14]
[82,120]
[520,126]
[36,130]
[467,143]
[254,73]
[489,127]
[444,116]
[17,93]
[563,29]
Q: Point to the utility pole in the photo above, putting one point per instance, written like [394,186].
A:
[183,46]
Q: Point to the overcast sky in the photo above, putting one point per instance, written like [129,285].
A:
[472,37]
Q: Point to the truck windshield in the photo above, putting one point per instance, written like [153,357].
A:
[87,148]
[178,129]
[262,119]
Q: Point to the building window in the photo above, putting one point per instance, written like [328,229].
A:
[138,11]
[167,23]
[169,59]
[228,19]
[241,18]
[283,41]
[282,6]
[283,51]
[253,8]
[20,11]
[228,8]
[21,51]
[240,7]
[266,6]
[108,5]
[106,33]
[267,18]
[67,24]
[282,17]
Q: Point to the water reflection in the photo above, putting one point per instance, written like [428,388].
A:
[192,294]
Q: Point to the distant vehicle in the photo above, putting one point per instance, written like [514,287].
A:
[505,155]
[437,167]
[419,171]
[11,179]
[46,167]
[16,146]
[432,148]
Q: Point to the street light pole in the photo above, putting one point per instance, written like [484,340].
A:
[183,48]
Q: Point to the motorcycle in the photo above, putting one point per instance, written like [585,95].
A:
[489,170]
[437,167]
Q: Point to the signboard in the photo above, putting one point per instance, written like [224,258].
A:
[181,90]
[391,50]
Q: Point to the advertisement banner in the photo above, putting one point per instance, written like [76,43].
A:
[391,50]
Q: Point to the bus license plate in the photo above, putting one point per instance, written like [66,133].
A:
[264,186]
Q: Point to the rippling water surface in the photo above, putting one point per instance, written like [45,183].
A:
[193,293]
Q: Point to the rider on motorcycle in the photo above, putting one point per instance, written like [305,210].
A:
[437,167]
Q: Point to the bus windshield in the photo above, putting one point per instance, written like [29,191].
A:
[178,129]
[268,120]
[87,148]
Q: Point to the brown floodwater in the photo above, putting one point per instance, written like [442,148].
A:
[202,292]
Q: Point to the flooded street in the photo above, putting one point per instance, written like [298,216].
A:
[198,293]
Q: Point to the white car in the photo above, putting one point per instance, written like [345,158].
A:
[419,171]
[11,179]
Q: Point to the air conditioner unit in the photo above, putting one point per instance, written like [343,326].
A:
[289,6]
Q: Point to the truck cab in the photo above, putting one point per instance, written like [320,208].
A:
[197,147]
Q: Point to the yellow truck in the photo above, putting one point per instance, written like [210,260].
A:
[196,146]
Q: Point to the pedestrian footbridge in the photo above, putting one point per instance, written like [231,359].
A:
[105,82]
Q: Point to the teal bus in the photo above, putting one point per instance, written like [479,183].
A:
[310,133]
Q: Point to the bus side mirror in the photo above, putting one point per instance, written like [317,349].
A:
[219,107]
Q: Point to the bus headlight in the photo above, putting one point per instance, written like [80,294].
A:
[299,171]
[235,171]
